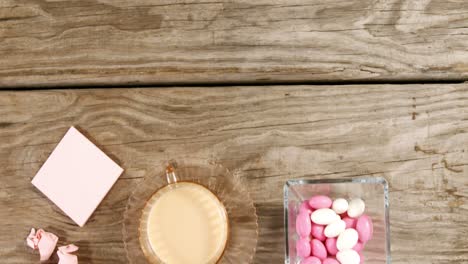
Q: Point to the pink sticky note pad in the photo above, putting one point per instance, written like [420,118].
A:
[77,176]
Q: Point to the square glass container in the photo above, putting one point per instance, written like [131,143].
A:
[374,192]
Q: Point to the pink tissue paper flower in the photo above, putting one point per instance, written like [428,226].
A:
[64,254]
[45,242]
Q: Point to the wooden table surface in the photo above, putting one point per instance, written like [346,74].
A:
[398,109]
[110,42]
[415,136]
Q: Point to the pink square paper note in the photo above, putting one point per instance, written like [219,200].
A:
[77,176]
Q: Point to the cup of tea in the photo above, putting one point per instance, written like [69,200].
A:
[183,222]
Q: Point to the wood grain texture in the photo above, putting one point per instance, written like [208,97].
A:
[416,136]
[108,42]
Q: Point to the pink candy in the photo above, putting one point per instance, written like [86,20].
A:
[314,247]
[318,232]
[305,207]
[303,247]
[350,222]
[358,247]
[365,228]
[318,249]
[361,256]
[303,224]
[311,260]
[330,244]
[320,201]
[330,261]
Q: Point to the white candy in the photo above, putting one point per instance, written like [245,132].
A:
[347,239]
[348,256]
[334,229]
[324,216]
[340,206]
[356,208]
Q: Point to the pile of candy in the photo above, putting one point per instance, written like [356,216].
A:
[332,232]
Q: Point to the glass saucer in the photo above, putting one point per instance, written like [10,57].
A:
[243,226]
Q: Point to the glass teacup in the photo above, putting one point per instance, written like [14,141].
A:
[183,222]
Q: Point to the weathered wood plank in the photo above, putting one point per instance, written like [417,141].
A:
[416,136]
[91,42]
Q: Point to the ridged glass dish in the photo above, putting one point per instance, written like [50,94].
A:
[373,190]
[242,216]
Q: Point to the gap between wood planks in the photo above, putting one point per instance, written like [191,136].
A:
[227,84]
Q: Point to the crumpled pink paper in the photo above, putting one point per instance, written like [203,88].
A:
[44,241]
[64,254]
